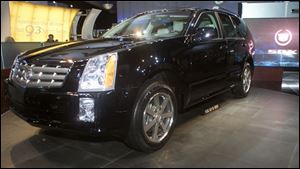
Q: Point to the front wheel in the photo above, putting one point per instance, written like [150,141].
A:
[243,87]
[154,117]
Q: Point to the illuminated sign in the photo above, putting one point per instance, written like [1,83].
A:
[276,41]
[33,23]
[283,37]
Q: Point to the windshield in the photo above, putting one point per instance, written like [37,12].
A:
[152,25]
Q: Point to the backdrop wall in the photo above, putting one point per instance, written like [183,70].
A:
[33,23]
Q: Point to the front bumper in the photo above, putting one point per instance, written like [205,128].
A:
[60,110]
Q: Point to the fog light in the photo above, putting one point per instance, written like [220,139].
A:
[86,109]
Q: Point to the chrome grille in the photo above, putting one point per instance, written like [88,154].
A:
[39,76]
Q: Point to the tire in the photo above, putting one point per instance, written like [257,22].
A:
[241,89]
[141,136]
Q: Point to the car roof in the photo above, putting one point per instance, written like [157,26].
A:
[190,9]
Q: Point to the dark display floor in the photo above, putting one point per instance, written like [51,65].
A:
[261,130]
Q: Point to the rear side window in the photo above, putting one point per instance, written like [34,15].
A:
[229,28]
[240,26]
[208,19]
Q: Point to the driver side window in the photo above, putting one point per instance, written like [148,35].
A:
[209,20]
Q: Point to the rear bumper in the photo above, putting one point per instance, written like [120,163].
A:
[60,110]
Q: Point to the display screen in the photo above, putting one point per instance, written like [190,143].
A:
[33,23]
[276,41]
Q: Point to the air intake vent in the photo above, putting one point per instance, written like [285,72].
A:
[39,76]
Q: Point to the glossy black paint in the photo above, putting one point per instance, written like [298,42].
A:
[197,71]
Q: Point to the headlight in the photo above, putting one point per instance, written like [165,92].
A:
[99,73]
[12,67]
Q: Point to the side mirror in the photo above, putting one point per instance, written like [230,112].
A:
[205,34]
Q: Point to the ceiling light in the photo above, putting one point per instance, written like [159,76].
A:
[107,6]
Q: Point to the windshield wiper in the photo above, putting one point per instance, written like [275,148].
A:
[131,36]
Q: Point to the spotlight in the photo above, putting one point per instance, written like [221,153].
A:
[54,2]
[107,6]
[71,6]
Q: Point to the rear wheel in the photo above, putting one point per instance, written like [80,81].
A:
[154,117]
[243,87]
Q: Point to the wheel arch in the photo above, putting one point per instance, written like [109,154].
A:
[173,79]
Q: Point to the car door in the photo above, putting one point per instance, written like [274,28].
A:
[234,33]
[207,63]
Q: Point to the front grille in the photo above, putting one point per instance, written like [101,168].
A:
[39,76]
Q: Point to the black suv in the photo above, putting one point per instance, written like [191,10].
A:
[133,81]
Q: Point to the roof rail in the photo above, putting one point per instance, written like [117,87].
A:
[169,9]
[224,10]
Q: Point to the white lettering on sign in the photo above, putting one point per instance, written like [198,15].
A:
[283,51]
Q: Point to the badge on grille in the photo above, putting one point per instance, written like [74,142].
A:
[28,73]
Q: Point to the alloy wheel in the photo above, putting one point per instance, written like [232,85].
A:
[158,117]
[246,79]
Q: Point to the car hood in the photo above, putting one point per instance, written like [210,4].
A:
[77,50]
